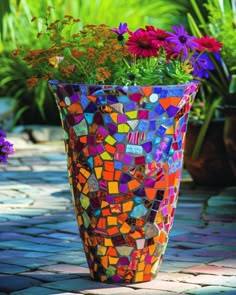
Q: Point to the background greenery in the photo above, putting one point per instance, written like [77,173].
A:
[218,92]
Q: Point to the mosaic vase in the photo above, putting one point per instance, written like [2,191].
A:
[124,147]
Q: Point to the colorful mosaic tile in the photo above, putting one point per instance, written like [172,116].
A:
[125,151]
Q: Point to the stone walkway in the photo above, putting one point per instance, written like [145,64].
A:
[41,252]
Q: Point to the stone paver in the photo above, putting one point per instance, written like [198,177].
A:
[81,284]
[34,291]
[9,283]
[167,286]
[41,251]
[213,290]
[210,269]
[227,281]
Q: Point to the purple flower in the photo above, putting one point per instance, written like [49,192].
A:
[2,134]
[120,31]
[3,159]
[202,64]
[183,42]
[6,148]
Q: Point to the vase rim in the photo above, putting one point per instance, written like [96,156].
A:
[55,82]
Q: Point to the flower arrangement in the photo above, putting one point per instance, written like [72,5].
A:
[6,148]
[99,54]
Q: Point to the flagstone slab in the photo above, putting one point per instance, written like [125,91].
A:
[15,202]
[11,268]
[3,219]
[34,291]
[191,259]
[176,266]
[26,262]
[55,217]
[46,276]
[55,157]
[146,292]
[165,276]
[211,252]
[24,211]
[229,262]
[10,283]
[210,269]
[69,258]
[227,281]
[61,236]
[47,241]
[16,253]
[176,232]
[6,185]
[212,240]
[78,284]
[4,236]
[117,290]
[165,285]
[185,245]
[22,245]
[65,268]
[68,226]
[213,290]
[33,231]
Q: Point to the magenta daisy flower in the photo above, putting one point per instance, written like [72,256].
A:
[183,42]
[141,43]
[209,44]
[159,37]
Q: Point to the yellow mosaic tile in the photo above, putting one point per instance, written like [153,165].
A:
[106,156]
[98,172]
[113,187]
[111,140]
[123,128]
[112,220]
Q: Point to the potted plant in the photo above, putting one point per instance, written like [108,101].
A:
[214,110]
[124,98]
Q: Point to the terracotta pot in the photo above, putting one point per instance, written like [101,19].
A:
[212,166]
[125,151]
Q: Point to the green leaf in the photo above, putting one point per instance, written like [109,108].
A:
[19,113]
[193,26]
[199,16]
[4,9]
[232,85]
